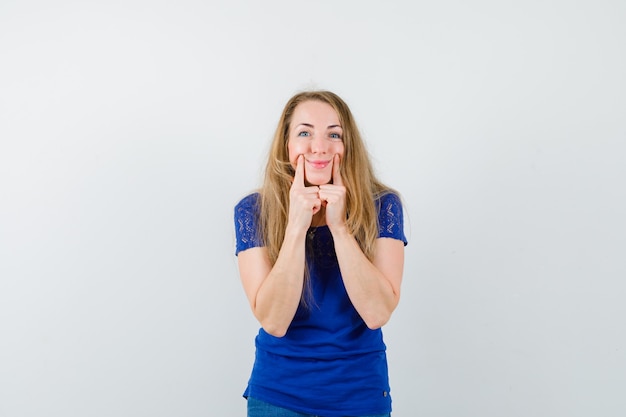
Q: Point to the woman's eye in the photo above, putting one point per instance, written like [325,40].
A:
[304,134]
[335,136]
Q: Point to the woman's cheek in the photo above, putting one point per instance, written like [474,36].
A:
[294,152]
[339,150]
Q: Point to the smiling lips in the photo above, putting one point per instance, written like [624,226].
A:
[318,164]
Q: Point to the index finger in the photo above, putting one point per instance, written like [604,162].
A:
[298,178]
[337,180]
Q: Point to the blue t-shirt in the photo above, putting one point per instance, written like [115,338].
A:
[329,362]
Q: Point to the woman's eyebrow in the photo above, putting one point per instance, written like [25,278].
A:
[311,126]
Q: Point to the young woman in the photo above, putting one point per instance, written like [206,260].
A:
[320,251]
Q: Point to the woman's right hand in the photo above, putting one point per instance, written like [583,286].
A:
[304,202]
[274,290]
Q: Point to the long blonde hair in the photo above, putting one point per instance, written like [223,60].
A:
[362,186]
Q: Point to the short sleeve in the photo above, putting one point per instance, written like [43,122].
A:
[246,223]
[390,217]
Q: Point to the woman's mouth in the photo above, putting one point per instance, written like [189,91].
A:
[318,164]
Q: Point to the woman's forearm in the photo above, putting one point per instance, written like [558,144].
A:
[279,295]
[373,294]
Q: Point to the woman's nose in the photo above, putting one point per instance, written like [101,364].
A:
[319,144]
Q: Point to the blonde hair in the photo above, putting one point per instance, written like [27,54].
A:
[362,186]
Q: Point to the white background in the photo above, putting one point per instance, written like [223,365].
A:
[129,130]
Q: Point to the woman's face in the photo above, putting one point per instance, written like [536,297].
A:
[315,133]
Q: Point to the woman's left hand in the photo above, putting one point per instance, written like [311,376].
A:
[333,196]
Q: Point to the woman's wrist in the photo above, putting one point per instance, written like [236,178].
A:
[294,232]
[340,231]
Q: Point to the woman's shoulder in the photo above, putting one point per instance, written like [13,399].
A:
[388,197]
[249,201]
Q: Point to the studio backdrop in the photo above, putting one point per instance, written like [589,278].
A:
[130,129]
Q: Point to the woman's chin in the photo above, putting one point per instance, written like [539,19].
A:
[318,180]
